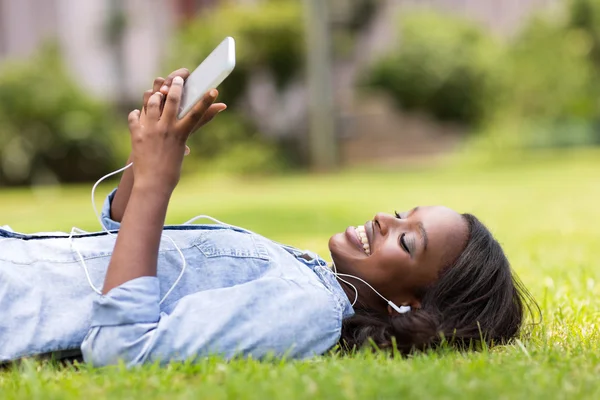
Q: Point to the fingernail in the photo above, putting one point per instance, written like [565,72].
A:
[213,93]
[164,88]
[178,80]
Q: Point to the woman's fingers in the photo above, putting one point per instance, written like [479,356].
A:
[158,83]
[189,122]
[173,101]
[181,72]
[146,97]
[153,108]
[134,121]
[208,116]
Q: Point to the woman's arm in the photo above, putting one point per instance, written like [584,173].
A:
[123,193]
[158,147]
[127,324]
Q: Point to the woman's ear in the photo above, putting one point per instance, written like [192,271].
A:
[415,304]
[404,301]
[404,307]
[395,310]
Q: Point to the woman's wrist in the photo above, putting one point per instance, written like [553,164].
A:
[152,189]
[136,249]
[119,203]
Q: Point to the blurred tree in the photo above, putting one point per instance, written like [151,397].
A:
[269,35]
[584,15]
[269,38]
[322,141]
[271,41]
[115,29]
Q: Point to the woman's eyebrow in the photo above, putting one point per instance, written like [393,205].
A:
[423,235]
[421,228]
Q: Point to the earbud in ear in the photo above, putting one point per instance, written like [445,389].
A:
[401,309]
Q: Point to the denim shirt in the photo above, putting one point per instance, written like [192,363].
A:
[240,294]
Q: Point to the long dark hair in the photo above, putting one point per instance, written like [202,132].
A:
[476,301]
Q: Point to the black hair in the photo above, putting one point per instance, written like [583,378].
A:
[477,300]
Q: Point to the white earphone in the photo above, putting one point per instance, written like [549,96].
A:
[400,310]
[85,268]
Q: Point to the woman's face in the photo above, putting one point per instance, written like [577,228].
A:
[399,255]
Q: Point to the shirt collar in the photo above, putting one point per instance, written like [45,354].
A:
[323,271]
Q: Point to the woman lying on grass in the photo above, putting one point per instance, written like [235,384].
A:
[420,278]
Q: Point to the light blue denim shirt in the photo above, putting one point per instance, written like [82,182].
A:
[240,294]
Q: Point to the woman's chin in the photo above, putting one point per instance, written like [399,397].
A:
[336,242]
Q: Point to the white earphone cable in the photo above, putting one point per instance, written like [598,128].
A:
[196,218]
[183,266]
[94,192]
[401,309]
[106,230]
[85,269]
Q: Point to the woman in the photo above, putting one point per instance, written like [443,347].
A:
[418,278]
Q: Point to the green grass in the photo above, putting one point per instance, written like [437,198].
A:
[545,210]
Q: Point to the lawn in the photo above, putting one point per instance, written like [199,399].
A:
[545,210]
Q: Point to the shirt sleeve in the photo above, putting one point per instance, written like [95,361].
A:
[109,223]
[266,317]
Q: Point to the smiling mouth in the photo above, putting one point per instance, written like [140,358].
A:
[362,236]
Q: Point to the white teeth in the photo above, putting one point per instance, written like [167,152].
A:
[362,235]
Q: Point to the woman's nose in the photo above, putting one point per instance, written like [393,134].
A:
[383,221]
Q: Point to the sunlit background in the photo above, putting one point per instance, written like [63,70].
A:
[318,84]
[338,109]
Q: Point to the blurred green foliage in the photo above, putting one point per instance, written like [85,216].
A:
[50,130]
[443,65]
[539,88]
[584,15]
[551,89]
[269,37]
[361,14]
[233,145]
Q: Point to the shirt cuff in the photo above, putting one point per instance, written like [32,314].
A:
[134,302]
[108,223]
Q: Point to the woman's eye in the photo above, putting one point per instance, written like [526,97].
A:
[403,243]
[397,215]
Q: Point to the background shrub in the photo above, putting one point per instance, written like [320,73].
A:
[442,65]
[50,130]
[539,88]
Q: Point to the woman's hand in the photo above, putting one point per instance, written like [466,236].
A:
[158,139]
[163,85]
[121,198]
[158,145]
